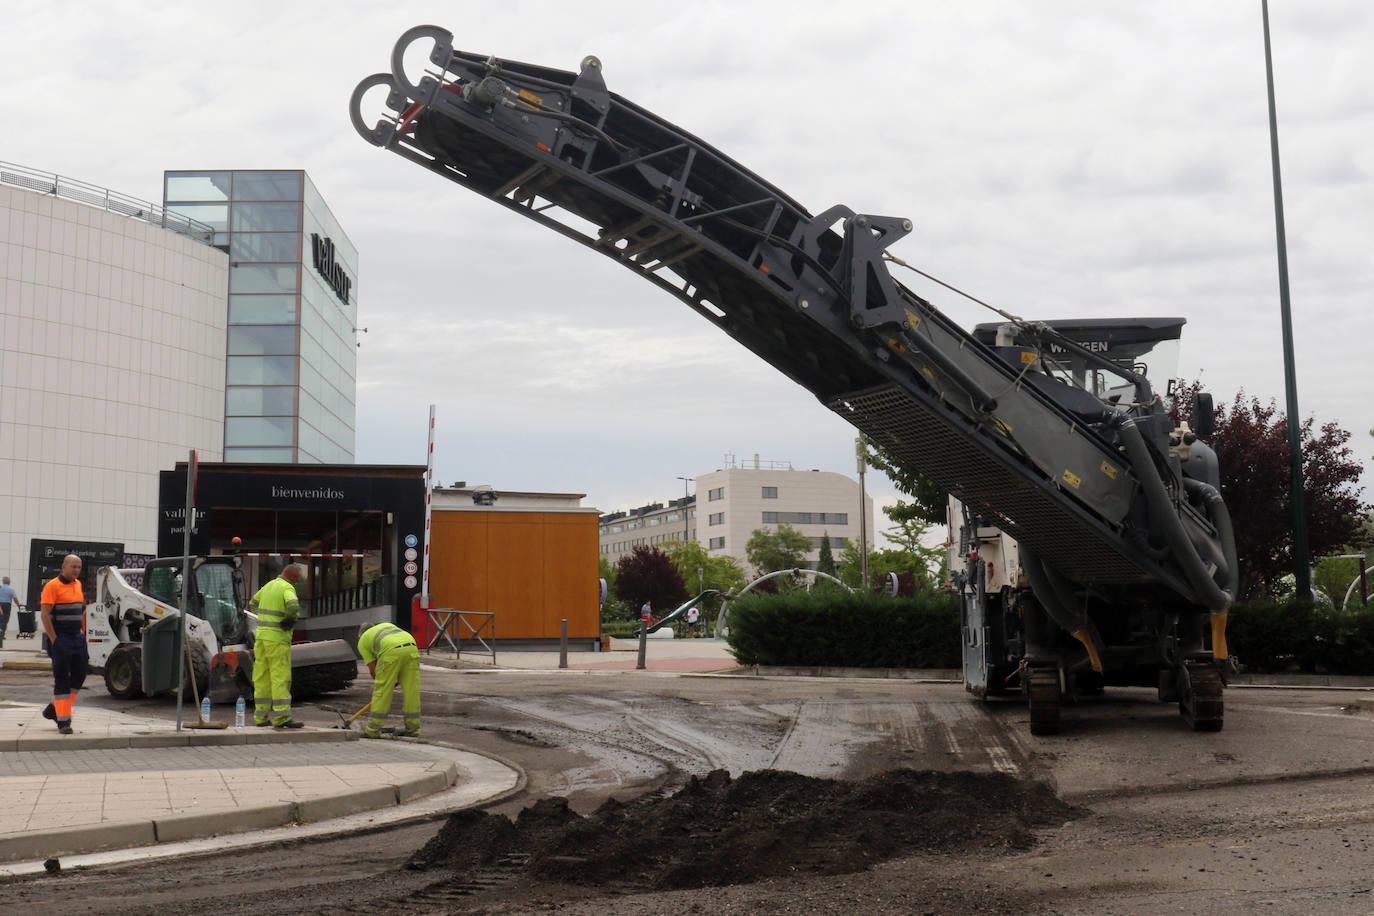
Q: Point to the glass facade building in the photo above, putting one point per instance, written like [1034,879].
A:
[291,357]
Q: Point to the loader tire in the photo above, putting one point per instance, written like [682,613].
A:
[313,680]
[201,668]
[124,672]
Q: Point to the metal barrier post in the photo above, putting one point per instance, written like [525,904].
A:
[643,642]
[563,645]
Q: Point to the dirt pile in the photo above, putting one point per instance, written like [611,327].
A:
[718,831]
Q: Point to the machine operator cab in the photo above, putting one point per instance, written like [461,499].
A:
[1141,346]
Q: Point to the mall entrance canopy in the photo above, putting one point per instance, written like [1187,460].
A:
[356,528]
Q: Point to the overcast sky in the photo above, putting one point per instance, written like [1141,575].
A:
[1059,159]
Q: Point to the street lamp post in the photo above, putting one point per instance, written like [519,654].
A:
[862,455]
[685,521]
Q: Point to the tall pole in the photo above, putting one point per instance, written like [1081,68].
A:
[1302,571]
[429,506]
[861,455]
[685,521]
[188,521]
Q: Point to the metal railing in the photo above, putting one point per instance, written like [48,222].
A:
[447,625]
[92,195]
[370,594]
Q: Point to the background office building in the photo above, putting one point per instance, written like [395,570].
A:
[289,382]
[112,361]
[730,504]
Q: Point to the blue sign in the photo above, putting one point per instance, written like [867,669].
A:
[411,540]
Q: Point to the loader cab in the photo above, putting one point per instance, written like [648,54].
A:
[217,597]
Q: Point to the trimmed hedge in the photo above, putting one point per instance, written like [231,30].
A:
[846,630]
[1272,638]
[868,631]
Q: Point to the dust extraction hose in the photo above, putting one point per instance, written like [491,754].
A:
[1206,591]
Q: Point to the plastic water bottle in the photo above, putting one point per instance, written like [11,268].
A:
[238,713]
[205,709]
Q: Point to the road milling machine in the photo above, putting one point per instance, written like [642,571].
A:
[134,635]
[1124,550]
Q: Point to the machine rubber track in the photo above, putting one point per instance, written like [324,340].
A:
[1200,697]
[1042,688]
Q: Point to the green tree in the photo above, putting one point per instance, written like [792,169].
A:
[1251,442]
[826,563]
[1332,576]
[928,499]
[782,548]
[916,565]
[723,572]
[611,608]
[647,574]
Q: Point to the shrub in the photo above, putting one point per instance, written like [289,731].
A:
[846,630]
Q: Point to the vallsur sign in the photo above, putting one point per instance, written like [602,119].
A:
[322,251]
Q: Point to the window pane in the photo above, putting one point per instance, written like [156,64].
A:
[261,339]
[263,278]
[265,246]
[262,309]
[196,186]
[273,455]
[267,186]
[214,215]
[254,402]
[258,430]
[261,370]
[266,217]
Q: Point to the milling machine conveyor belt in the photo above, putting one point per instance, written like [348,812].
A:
[816,303]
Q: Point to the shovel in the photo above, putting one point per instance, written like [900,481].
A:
[355,716]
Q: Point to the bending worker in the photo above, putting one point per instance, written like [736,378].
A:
[277,608]
[64,622]
[391,656]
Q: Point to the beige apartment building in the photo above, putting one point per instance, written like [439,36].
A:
[732,503]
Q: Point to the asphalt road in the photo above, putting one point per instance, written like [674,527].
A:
[1272,812]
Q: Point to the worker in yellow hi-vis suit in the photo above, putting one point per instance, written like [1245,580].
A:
[277,608]
[391,657]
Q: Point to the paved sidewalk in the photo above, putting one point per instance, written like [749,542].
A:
[124,781]
[683,656]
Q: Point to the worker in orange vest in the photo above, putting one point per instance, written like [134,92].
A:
[64,622]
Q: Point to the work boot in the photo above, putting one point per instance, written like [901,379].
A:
[64,729]
[50,712]
[371,733]
[411,734]
[290,723]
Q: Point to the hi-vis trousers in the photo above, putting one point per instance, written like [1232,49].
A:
[401,664]
[271,682]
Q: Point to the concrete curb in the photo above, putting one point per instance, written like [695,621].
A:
[193,826]
[903,674]
[86,838]
[91,838]
[191,738]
